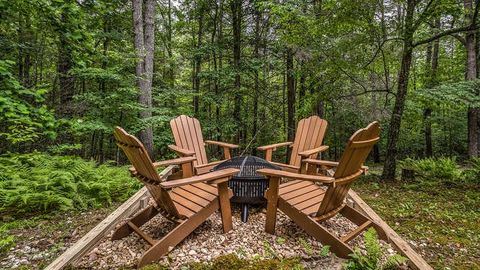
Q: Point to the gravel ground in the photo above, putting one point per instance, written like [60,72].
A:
[247,240]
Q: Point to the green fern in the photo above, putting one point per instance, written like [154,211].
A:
[42,183]
[374,258]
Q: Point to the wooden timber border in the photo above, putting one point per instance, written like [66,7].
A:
[140,199]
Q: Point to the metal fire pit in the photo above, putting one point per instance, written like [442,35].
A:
[248,187]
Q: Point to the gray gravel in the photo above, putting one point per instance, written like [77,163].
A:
[246,240]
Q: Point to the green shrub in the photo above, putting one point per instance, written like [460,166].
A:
[42,183]
[444,169]
[374,259]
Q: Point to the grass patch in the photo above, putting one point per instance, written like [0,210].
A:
[442,219]
[233,262]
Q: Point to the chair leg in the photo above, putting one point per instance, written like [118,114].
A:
[138,220]
[180,232]
[316,230]
[225,209]
[272,201]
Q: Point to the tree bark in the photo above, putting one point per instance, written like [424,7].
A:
[236,7]
[290,96]
[431,69]
[471,74]
[198,59]
[389,167]
[144,46]
[256,55]
[64,65]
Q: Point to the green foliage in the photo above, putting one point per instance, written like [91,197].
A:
[306,246]
[43,183]
[374,257]
[463,92]
[445,217]
[443,169]
[6,241]
[23,117]
[325,251]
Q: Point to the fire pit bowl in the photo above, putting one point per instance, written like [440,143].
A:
[248,187]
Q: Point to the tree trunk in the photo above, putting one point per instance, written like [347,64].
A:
[290,96]
[431,65]
[471,74]
[198,59]
[236,7]
[65,79]
[256,55]
[402,86]
[144,45]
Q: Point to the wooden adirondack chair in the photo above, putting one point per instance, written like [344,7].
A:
[188,202]
[307,203]
[307,143]
[189,142]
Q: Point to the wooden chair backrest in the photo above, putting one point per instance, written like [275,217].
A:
[145,171]
[309,135]
[349,167]
[187,133]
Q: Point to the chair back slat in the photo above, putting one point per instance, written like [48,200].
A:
[356,152]
[187,133]
[145,171]
[309,135]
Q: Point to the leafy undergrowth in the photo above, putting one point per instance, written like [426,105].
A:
[34,186]
[40,183]
[442,218]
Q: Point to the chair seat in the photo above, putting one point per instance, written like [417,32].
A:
[190,199]
[304,196]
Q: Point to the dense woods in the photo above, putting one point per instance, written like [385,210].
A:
[249,70]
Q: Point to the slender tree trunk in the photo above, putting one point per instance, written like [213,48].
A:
[290,96]
[236,7]
[198,59]
[220,62]
[171,70]
[65,79]
[431,65]
[402,86]
[471,74]
[256,55]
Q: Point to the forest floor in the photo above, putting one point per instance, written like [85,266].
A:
[440,222]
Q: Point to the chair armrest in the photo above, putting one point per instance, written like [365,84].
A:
[220,176]
[181,151]
[273,146]
[222,144]
[177,161]
[297,176]
[163,163]
[326,163]
[310,152]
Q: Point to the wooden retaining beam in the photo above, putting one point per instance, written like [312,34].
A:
[415,261]
[88,241]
